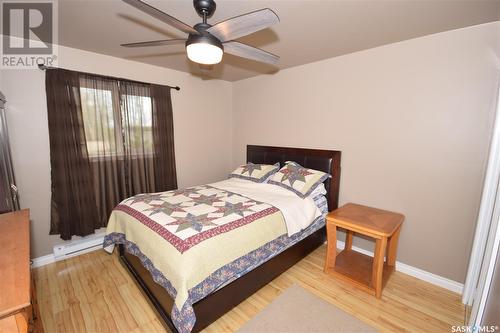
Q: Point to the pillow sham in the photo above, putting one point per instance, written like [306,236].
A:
[258,173]
[300,180]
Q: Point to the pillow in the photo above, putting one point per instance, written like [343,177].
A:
[318,190]
[258,173]
[300,180]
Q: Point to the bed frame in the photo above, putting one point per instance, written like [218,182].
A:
[218,303]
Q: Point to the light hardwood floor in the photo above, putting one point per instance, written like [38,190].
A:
[94,293]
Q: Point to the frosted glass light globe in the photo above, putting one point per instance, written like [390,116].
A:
[204,53]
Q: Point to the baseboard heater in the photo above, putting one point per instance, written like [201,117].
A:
[79,246]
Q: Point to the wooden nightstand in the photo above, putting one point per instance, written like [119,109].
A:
[361,270]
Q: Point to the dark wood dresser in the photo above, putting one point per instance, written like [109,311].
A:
[18,307]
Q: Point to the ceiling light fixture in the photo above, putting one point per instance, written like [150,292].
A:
[206,44]
[204,49]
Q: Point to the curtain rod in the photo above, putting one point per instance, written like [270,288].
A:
[43,67]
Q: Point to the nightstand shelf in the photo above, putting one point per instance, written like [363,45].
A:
[356,268]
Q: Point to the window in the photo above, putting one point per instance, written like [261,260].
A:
[107,131]
[99,122]
[139,120]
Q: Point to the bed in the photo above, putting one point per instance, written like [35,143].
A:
[214,303]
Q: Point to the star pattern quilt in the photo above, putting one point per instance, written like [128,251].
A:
[196,240]
[187,217]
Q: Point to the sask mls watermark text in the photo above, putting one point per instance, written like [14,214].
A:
[29,34]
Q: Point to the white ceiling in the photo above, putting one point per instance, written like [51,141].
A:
[308,30]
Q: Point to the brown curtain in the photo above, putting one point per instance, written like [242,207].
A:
[109,139]
[165,173]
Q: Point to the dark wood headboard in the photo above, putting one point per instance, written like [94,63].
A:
[322,160]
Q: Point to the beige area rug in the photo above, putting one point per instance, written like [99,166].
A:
[297,310]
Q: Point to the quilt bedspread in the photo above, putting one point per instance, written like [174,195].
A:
[187,217]
[194,241]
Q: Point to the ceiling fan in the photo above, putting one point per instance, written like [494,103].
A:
[207,43]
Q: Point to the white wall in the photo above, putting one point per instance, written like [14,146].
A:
[413,122]
[202,121]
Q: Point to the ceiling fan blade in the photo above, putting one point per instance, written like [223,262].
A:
[243,25]
[162,16]
[156,43]
[250,52]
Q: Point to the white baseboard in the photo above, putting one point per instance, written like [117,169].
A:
[437,280]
